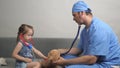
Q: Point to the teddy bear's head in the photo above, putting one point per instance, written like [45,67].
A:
[54,55]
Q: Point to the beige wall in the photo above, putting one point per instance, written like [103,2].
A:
[52,18]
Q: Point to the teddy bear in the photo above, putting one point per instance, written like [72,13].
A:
[53,55]
[3,61]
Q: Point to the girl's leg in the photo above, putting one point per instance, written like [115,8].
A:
[21,65]
[33,65]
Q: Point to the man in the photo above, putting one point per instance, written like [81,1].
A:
[98,45]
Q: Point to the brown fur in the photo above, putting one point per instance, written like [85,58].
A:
[53,55]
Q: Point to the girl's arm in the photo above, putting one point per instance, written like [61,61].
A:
[17,56]
[39,53]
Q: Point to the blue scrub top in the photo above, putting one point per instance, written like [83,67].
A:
[100,40]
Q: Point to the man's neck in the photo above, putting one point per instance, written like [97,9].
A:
[88,21]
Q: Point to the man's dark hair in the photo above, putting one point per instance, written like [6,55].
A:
[88,11]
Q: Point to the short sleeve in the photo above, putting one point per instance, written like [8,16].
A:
[99,42]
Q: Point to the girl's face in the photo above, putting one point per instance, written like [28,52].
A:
[28,35]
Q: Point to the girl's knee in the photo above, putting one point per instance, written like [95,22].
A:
[33,65]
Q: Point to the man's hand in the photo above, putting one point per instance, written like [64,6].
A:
[60,61]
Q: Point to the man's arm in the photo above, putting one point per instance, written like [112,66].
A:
[87,59]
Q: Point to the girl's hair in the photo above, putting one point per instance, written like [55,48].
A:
[23,29]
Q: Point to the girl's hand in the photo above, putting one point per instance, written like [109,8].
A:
[46,58]
[28,60]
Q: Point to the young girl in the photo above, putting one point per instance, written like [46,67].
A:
[23,52]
